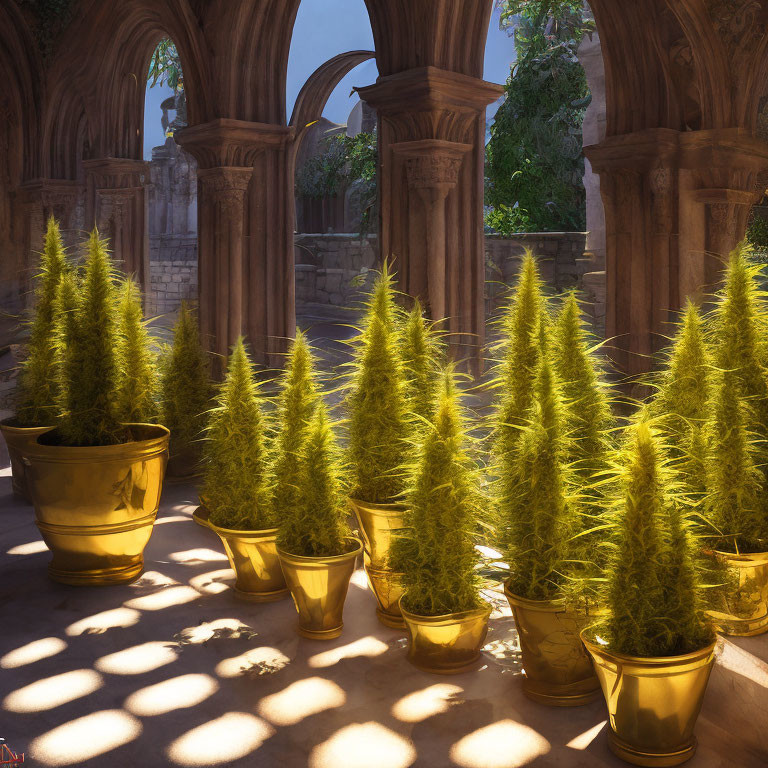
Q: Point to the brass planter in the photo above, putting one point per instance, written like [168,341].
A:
[448,644]
[557,669]
[95,506]
[19,440]
[319,587]
[253,557]
[745,610]
[388,590]
[652,703]
[377,524]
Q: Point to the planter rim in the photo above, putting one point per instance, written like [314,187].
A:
[203,515]
[156,442]
[4,425]
[745,559]
[549,606]
[381,507]
[648,661]
[447,618]
[322,559]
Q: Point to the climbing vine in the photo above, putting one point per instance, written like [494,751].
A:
[165,66]
[534,166]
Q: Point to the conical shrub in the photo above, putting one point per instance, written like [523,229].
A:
[316,524]
[735,504]
[422,355]
[295,410]
[185,388]
[36,389]
[137,392]
[522,329]
[682,399]
[588,419]
[378,423]
[435,551]
[652,588]
[537,522]
[236,486]
[89,342]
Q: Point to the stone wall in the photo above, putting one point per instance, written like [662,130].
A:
[173,272]
[332,271]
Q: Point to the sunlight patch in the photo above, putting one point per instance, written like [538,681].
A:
[176,693]
[213,582]
[32,652]
[301,699]
[583,740]
[258,661]
[506,744]
[164,598]
[201,555]
[138,659]
[365,646]
[420,705]
[366,745]
[53,691]
[31,548]
[101,622]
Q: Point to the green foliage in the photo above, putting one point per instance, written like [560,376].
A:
[435,551]
[523,328]
[652,596]
[236,486]
[422,353]
[296,407]
[588,418]
[378,424]
[89,342]
[36,390]
[534,163]
[681,402]
[537,522]
[185,385]
[735,503]
[315,525]
[757,233]
[137,390]
[165,66]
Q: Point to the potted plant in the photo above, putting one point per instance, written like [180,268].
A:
[137,386]
[185,396]
[654,649]
[317,552]
[95,481]
[422,354]
[36,384]
[446,618]
[735,509]
[378,428]
[538,535]
[236,485]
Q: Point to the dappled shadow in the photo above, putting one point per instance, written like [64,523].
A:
[173,670]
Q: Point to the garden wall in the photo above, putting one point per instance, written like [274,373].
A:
[173,272]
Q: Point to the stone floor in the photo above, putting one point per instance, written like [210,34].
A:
[173,671]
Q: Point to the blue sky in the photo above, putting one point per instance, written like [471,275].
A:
[325,28]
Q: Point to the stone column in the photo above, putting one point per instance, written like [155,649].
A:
[245,234]
[431,161]
[116,202]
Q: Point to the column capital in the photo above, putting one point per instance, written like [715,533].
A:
[114,172]
[50,192]
[432,163]
[232,143]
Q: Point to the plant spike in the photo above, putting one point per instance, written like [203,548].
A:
[421,357]
[315,525]
[137,392]
[185,385]
[653,604]
[90,370]
[378,423]
[435,551]
[295,410]
[236,482]
[36,391]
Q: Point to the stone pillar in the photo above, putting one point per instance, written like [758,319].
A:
[431,156]
[245,233]
[676,203]
[116,202]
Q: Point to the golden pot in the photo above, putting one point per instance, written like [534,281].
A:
[95,506]
[447,644]
[388,590]
[557,669]
[745,609]
[319,588]
[253,557]
[377,523]
[652,703]
[18,440]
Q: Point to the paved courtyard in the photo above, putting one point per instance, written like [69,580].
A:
[174,671]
